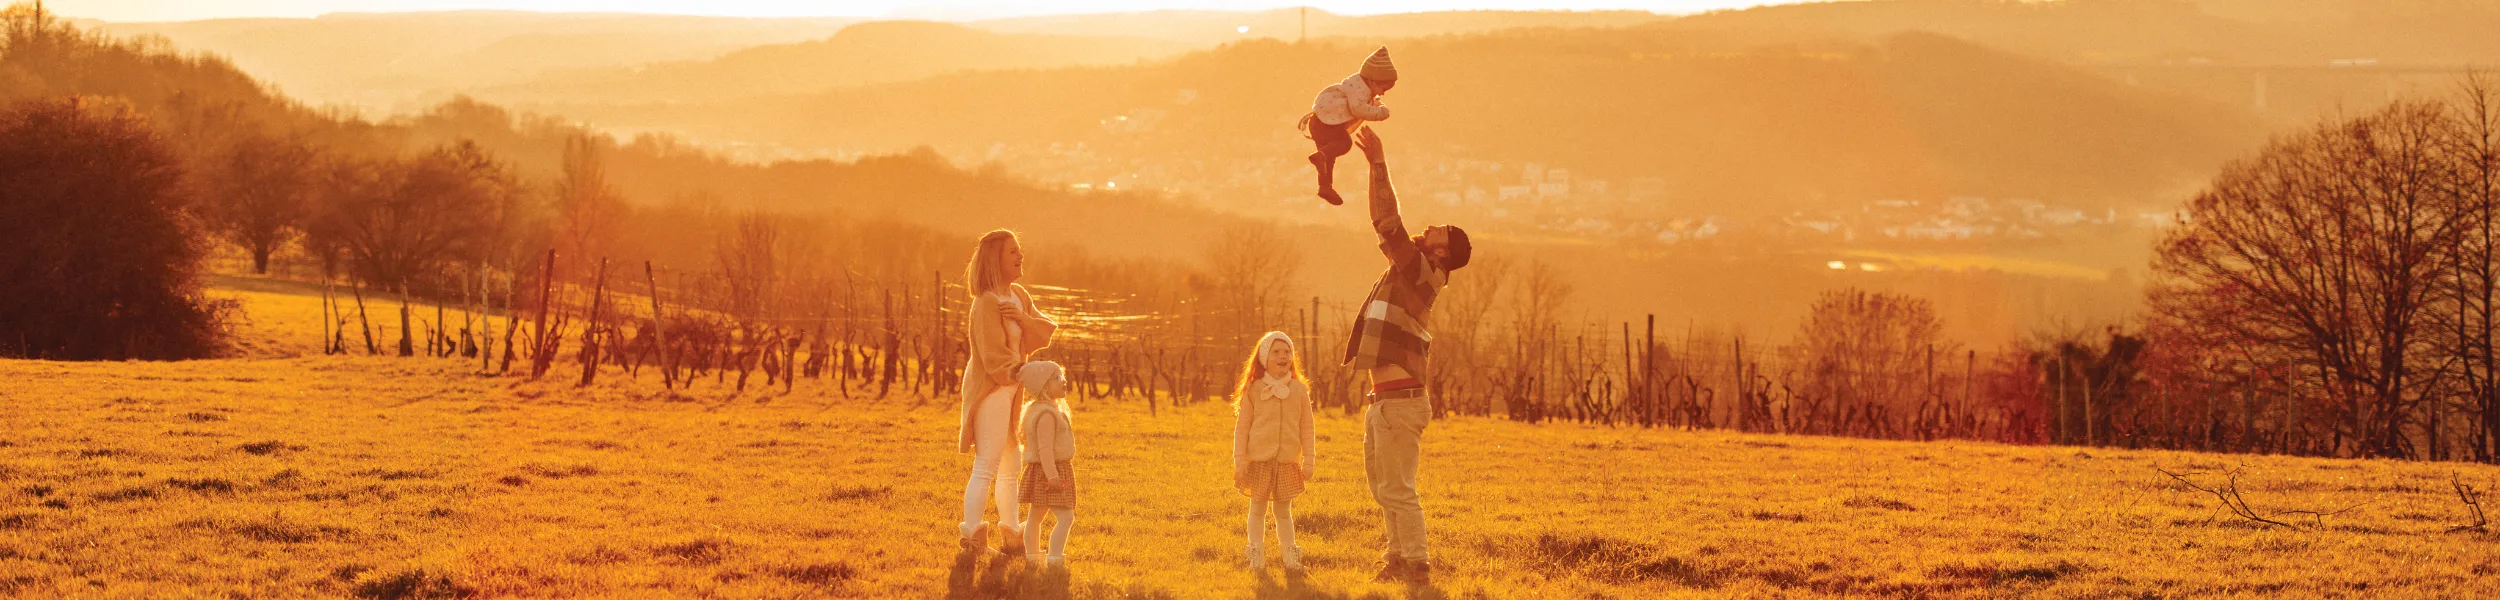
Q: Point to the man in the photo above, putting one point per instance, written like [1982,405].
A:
[1389,341]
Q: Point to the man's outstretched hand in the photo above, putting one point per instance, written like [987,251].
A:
[1370,143]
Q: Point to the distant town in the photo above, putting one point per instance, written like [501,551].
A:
[1532,198]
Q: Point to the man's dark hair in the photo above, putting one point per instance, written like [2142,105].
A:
[1459,250]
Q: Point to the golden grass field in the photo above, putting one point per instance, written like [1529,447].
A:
[408,478]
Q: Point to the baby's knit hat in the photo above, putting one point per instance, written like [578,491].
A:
[1034,374]
[1378,68]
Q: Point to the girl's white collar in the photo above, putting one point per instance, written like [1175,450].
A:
[1276,385]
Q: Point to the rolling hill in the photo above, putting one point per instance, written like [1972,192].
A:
[864,54]
[388,63]
[1214,27]
[924,192]
[398,62]
[1765,128]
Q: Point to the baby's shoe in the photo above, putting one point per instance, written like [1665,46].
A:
[1293,559]
[1327,179]
[1258,557]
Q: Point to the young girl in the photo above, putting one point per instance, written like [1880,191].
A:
[1275,442]
[1339,109]
[1049,476]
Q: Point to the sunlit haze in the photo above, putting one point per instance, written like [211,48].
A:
[183,10]
[1483,299]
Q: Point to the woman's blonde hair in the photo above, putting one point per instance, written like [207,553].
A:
[1256,368]
[987,272]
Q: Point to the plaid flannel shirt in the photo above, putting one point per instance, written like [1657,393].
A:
[1390,330]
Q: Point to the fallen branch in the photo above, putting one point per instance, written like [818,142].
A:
[2318,519]
[2229,494]
[2473,501]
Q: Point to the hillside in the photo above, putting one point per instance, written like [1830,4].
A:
[410,478]
[198,99]
[1749,128]
[864,54]
[2287,62]
[2433,32]
[1212,27]
[387,63]
[1149,231]
[393,63]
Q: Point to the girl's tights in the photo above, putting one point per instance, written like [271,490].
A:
[1058,533]
[1284,524]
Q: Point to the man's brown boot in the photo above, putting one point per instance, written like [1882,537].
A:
[1394,571]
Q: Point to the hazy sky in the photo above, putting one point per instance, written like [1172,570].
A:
[184,10]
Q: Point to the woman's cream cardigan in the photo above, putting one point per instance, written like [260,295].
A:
[993,360]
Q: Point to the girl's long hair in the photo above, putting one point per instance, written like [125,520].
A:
[986,273]
[1256,368]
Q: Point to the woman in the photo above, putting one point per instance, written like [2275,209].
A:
[1005,331]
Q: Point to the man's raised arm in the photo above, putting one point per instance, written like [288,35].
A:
[1386,221]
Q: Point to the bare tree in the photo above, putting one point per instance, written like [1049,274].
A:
[257,193]
[590,213]
[402,221]
[1252,270]
[2326,250]
[2471,312]
[746,255]
[1536,302]
[1461,338]
[1864,352]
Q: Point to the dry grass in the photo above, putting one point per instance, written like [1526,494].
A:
[412,478]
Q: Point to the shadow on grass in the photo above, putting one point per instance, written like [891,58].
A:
[1295,586]
[959,579]
[994,575]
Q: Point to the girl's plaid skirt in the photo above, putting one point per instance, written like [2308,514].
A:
[1272,480]
[1035,491]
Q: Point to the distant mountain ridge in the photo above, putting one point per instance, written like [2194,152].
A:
[1763,129]
[2128,103]
[401,62]
[2448,32]
[863,54]
[385,63]
[1211,27]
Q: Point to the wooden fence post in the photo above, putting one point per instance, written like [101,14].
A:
[1631,384]
[540,350]
[407,346]
[659,330]
[1651,402]
[511,318]
[590,332]
[325,316]
[485,320]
